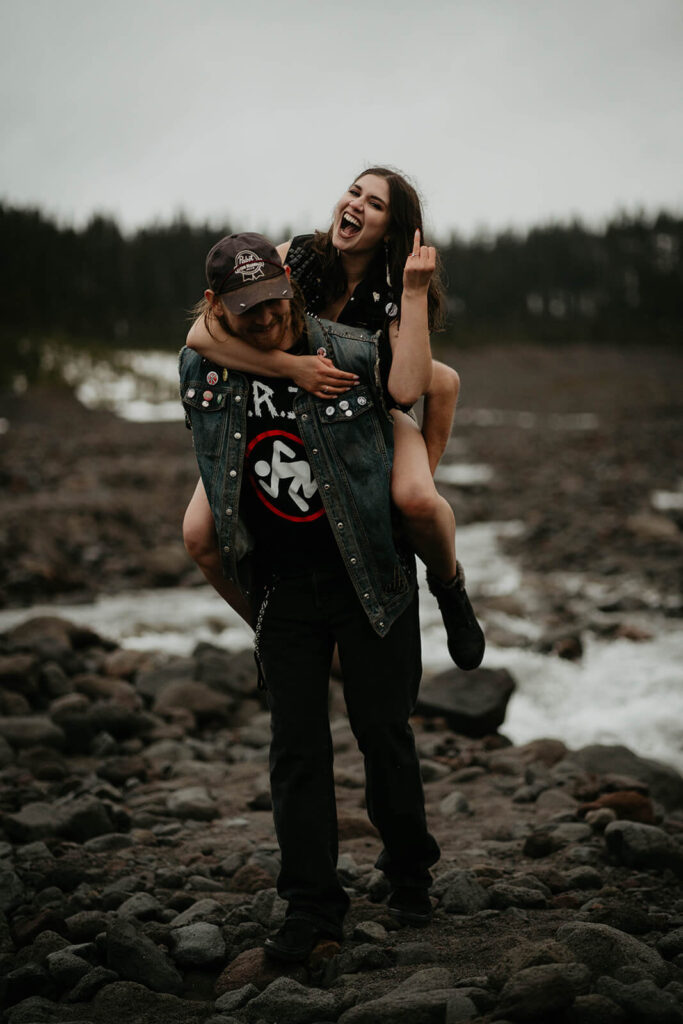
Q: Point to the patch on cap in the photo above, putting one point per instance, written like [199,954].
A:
[248,265]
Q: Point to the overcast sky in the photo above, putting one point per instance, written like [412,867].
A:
[260,112]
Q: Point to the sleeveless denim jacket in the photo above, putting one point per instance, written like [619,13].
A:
[349,443]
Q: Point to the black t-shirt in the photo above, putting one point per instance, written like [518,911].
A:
[280,497]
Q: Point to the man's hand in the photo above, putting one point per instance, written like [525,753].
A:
[419,267]
[319,376]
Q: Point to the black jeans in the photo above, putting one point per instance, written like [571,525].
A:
[304,618]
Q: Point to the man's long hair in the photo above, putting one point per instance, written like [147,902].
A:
[205,310]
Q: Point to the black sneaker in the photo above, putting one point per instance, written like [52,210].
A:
[411,905]
[294,941]
[466,641]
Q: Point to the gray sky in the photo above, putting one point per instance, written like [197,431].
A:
[260,112]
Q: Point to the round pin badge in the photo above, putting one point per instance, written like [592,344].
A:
[322,351]
[391,309]
[207,396]
[212,377]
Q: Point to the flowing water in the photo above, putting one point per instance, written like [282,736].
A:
[619,692]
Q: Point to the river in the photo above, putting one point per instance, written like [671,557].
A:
[618,692]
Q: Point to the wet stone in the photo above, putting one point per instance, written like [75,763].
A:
[197,945]
[604,949]
[370,931]
[459,892]
[286,1001]
[414,953]
[230,1001]
[91,983]
[67,968]
[643,846]
[134,957]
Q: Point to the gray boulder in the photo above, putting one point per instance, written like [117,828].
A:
[402,1007]
[473,703]
[11,890]
[665,783]
[286,1001]
[643,846]
[642,1002]
[459,892]
[197,945]
[34,731]
[134,957]
[539,993]
[125,1001]
[604,950]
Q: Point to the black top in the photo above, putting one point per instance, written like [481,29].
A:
[280,497]
[366,307]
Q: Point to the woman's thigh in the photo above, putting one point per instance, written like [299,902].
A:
[198,522]
[411,473]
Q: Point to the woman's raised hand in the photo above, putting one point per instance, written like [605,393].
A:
[319,376]
[419,267]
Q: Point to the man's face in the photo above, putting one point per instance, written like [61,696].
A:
[265,326]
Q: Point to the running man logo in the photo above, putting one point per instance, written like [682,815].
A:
[281,476]
[248,265]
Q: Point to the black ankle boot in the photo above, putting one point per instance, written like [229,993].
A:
[411,905]
[294,941]
[466,641]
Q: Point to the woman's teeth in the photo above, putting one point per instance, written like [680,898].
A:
[350,223]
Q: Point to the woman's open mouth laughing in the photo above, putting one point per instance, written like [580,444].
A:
[349,225]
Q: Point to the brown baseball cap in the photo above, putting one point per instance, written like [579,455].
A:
[244,270]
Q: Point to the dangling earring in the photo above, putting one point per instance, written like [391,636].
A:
[391,309]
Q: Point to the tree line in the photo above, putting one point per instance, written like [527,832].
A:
[556,282]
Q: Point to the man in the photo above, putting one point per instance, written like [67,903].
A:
[300,492]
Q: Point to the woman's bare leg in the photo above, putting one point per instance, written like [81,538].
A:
[439,410]
[201,544]
[430,525]
[427,517]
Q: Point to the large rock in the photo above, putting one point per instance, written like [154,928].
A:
[540,993]
[198,945]
[82,726]
[134,957]
[33,731]
[34,821]
[11,889]
[473,703]
[48,636]
[226,671]
[253,967]
[642,1001]
[77,819]
[193,802]
[665,783]
[604,950]
[402,1007]
[286,1001]
[125,1001]
[644,846]
[459,892]
[206,704]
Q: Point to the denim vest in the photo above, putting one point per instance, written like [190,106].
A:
[349,443]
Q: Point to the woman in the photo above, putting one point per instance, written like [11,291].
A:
[358,273]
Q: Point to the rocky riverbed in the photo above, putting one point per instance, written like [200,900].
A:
[138,860]
[137,855]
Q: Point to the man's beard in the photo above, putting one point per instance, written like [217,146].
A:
[270,337]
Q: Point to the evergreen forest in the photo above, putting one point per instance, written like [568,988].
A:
[556,282]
